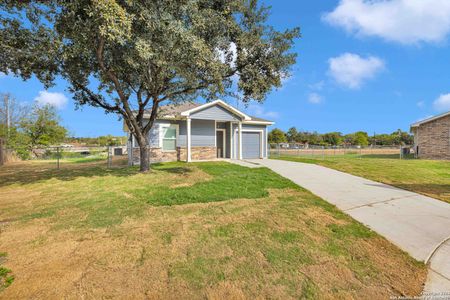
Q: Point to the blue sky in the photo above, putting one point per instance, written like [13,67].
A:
[374,66]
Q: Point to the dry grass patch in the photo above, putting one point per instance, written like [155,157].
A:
[100,238]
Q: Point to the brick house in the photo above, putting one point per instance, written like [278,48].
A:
[432,137]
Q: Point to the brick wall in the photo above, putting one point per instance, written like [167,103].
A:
[433,139]
[157,155]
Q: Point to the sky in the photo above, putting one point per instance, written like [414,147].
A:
[375,66]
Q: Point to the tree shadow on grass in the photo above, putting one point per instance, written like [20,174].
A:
[33,172]
[437,191]
[173,168]
[388,156]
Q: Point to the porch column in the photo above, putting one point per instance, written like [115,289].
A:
[188,136]
[231,141]
[240,140]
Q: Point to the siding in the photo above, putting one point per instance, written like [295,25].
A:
[202,133]
[182,135]
[215,112]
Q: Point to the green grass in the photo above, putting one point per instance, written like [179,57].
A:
[228,182]
[6,277]
[200,230]
[427,177]
[101,203]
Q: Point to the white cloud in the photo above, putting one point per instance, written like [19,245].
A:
[57,100]
[318,86]
[442,103]
[420,104]
[402,21]
[314,98]
[351,70]
[259,111]
[2,74]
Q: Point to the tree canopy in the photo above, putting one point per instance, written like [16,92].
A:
[129,57]
[277,136]
[42,127]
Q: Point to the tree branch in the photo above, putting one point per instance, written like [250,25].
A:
[97,100]
[128,114]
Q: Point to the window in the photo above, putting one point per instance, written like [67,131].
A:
[168,134]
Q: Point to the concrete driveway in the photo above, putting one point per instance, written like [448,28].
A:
[417,224]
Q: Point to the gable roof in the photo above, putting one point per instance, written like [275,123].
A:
[219,103]
[175,111]
[417,124]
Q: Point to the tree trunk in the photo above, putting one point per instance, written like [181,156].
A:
[144,153]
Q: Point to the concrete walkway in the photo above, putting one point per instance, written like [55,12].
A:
[417,224]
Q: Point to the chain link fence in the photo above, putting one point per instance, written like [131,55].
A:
[319,151]
[109,156]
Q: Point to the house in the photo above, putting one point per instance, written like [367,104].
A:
[432,137]
[192,131]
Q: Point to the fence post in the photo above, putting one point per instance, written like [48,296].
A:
[1,152]
[323,152]
[57,158]
[109,157]
[278,148]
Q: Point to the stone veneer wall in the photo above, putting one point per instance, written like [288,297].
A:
[156,155]
[433,139]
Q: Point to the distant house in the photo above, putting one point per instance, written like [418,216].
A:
[193,131]
[66,145]
[432,137]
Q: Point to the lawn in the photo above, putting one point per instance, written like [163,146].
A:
[427,177]
[201,230]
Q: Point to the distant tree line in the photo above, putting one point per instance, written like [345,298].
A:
[105,140]
[359,138]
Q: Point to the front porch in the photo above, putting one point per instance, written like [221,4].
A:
[227,144]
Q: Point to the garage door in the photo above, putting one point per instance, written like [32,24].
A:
[251,145]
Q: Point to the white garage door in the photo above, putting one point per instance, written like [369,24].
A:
[251,144]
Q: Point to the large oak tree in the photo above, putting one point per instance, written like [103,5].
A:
[131,56]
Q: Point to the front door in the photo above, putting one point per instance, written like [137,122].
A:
[220,144]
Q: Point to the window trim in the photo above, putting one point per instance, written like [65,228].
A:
[161,136]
